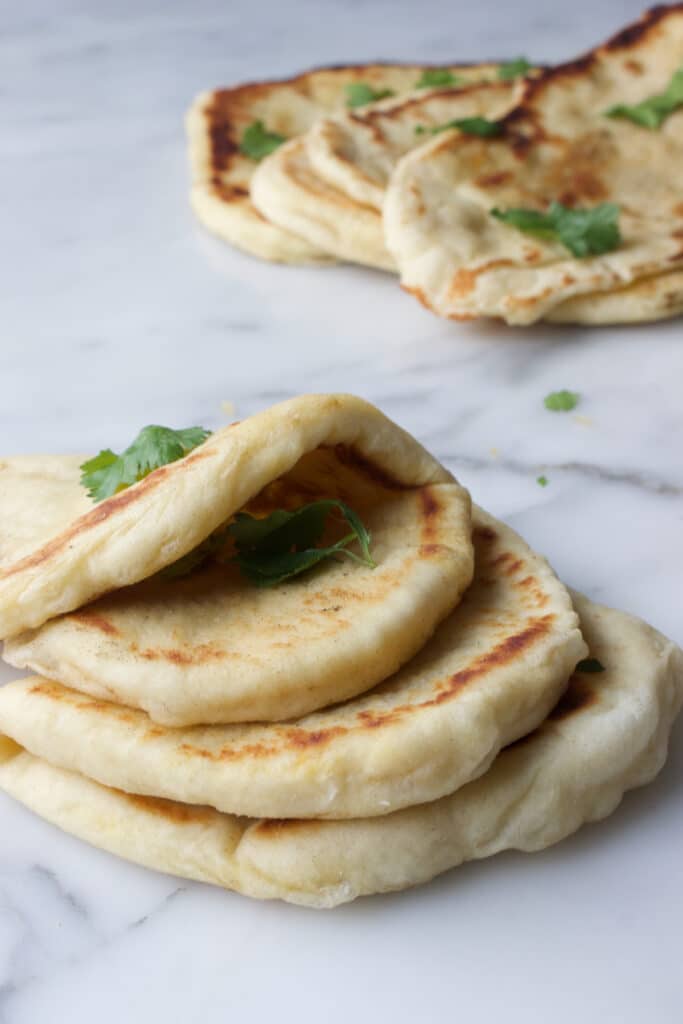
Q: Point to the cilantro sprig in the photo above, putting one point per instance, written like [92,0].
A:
[258,142]
[155,446]
[468,125]
[562,401]
[584,232]
[274,548]
[432,78]
[359,94]
[283,544]
[652,112]
[516,68]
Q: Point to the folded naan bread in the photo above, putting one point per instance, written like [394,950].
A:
[328,185]
[357,151]
[652,298]
[608,734]
[286,190]
[489,675]
[210,646]
[221,173]
[558,145]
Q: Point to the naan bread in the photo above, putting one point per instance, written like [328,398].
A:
[489,675]
[556,145]
[653,298]
[608,734]
[211,647]
[133,534]
[356,151]
[287,192]
[335,203]
[221,174]
[219,193]
[328,186]
[38,499]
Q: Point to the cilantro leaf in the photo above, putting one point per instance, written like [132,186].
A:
[561,401]
[433,77]
[583,232]
[282,545]
[516,68]
[468,125]
[478,126]
[652,112]
[590,665]
[542,481]
[258,142]
[358,94]
[532,221]
[102,475]
[107,473]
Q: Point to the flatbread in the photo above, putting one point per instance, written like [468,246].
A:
[556,145]
[489,675]
[288,193]
[652,298]
[211,647]
[335,201]
[608,734]
[328,186]
[139,531]
[38,500]
[356,151]
[221,174]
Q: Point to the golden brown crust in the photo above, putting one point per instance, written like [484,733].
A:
[626,39]
[110,507]
[537,626]
[556,145]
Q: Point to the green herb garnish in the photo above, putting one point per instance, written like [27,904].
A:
[542,481]
[590,665]
[358,94]
[582,232]
[107,473]
[652,112]
[283,544]
[431,78]
[258,142]
[561,401]
[516,68]
[468,125]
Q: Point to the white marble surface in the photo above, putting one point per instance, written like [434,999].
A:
[117,310]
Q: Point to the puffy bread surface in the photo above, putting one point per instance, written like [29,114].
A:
[490,674]
[135,533]
[329,184]
[556,145]
[647,300]
[356,151]
[335,201]
[608,734]
[211,647]
[221,174]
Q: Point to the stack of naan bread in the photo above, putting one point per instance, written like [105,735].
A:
[349,731]
[389,185]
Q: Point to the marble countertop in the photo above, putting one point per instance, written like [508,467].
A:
[118,310]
